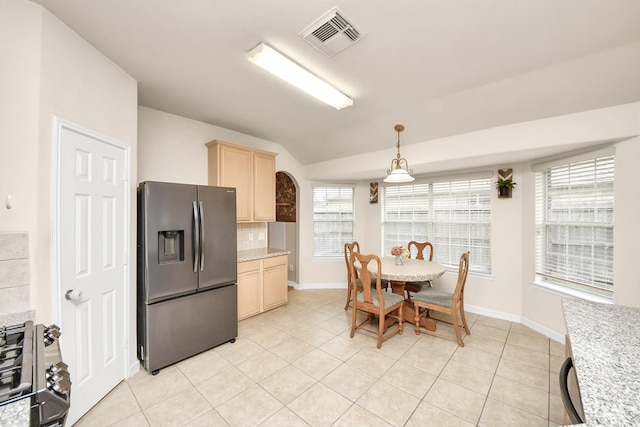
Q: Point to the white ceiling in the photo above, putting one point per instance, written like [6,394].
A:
[440,67]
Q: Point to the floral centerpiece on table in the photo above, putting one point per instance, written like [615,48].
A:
[400,252]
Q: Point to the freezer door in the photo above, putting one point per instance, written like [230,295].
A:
[218,252]
[168,248]
[182,327]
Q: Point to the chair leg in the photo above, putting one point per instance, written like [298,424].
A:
[454,318]
[354,319]
[381,319]
[464,321]
[348,297]
[417,318]
[400,318]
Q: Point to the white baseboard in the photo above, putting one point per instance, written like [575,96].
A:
[308,286]
[518,319]
[492,313]
[543,330]
[470,308]
[134,368]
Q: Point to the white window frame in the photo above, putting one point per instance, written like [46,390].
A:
[440,205]
[575,201]
[340,213]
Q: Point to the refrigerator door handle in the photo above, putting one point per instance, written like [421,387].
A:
[202,240]
[196,237]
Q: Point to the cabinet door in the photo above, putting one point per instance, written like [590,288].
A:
[264,187]
[248,294]
[274,279]
[236,170]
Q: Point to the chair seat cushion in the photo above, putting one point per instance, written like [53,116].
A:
[434,296]
[417,286]
[389,299]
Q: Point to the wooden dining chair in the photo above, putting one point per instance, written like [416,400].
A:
[377,301]
[348,249]
[445,302]
[413,287]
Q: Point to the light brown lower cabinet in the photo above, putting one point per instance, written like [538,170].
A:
[249,288]
[262,285]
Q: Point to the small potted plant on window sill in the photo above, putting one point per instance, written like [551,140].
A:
[505,186]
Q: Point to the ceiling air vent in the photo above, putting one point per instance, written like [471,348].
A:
[331,33]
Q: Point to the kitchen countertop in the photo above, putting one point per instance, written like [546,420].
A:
[253,254]
[16,318]
[605,342]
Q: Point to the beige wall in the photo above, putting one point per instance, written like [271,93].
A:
[20,36]
[507,293]
[627,225]
[48,71]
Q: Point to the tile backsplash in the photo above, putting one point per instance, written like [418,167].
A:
[14,272]
[252,235]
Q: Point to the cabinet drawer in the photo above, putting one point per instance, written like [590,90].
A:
[275,261]
[243,267]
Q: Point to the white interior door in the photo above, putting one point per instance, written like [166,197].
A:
[92,209]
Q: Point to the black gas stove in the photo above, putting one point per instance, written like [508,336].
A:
[33,374]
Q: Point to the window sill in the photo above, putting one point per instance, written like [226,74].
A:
[477,274]
[567,292]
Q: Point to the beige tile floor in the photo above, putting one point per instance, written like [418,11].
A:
[297,366]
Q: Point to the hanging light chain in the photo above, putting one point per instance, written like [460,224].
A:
[399,159]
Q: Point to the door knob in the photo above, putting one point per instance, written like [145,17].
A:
[73,295]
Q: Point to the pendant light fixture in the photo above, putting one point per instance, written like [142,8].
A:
[399,173]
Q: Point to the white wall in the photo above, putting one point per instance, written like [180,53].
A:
[19,85]
[20,35]
[47,71]
[627,225]
[172,148]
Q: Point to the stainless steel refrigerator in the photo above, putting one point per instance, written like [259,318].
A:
[187,271]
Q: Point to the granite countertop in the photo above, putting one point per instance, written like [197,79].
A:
[16,318]
[253,254]
[605,342]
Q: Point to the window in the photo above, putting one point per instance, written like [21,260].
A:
[455,216]
[332,220]
[574,225]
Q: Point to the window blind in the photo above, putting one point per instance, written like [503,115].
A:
[332,220]
[574,225]
[454,215]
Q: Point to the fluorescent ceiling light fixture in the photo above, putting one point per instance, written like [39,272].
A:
[281,66]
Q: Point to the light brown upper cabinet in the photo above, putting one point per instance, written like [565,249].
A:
[251,172]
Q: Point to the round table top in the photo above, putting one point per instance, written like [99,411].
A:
[413,270]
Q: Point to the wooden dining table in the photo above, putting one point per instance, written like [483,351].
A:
[412,270]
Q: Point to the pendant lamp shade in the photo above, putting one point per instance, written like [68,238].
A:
[399,171]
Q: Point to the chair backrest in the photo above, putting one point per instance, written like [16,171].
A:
[348,249]
[463,270]
[420,248]
[365,276]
